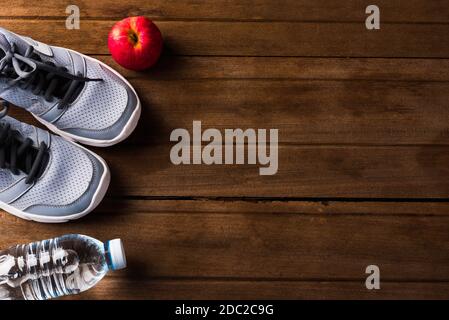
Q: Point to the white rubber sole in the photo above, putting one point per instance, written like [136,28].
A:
[127,129]
[98,196]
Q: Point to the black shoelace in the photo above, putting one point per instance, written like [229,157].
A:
[41,78]
[18,153]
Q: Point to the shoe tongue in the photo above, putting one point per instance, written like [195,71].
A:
[4,46]
[8,38]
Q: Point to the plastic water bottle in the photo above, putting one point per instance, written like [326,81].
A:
[57,267]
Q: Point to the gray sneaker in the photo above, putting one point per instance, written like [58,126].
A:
[74,95]
[46,178]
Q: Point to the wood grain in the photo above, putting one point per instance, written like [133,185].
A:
[122,288]
[171,67]
[422,11]
[256,38]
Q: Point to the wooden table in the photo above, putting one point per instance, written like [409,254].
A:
[363,119]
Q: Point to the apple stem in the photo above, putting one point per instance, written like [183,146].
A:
[133,37]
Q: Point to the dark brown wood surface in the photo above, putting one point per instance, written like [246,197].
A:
[363,123]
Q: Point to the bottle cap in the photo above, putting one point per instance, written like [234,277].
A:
[117,254]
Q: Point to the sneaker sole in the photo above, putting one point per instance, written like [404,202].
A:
[96,199]
[127,129]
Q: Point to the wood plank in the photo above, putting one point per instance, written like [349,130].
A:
[298,68]
[325,172]
[271,244]
[281,206]
[257,38]
[291,10]
[122,288]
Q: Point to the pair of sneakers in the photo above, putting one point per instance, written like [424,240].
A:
[46,177]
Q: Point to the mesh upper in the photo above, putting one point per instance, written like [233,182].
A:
[6,179]
[66,178]
[26,100]
[100,105]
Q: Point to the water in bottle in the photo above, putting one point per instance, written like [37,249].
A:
[56,267]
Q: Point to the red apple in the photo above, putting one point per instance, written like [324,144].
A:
[135,43]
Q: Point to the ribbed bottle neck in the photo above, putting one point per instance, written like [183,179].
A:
[108,257]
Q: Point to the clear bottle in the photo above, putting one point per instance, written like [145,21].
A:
[57,267]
